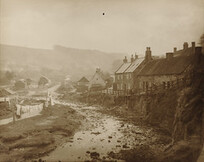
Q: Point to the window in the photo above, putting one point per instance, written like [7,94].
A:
[164,85]
[121,86]
[168,85]
[172,83]
[143,86]
[147,86]
[118,86]
[128,86]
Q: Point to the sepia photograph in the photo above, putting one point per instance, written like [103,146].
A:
[101,80]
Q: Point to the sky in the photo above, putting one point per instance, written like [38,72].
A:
[127,26]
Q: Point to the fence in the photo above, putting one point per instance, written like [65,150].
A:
[154,89]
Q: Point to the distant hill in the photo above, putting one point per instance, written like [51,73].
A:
[56,62]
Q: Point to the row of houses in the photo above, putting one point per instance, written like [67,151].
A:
[147,73]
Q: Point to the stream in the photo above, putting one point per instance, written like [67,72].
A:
[101,135]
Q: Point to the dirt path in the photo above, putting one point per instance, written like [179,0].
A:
[99,137]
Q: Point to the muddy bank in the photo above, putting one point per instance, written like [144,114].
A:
[34,137]
[105,135]
[5,111]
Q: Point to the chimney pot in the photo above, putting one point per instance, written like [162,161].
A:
[148,54]
[169,55]
[185,45]
[193,44]
[125,60]
[136,56]
[132,59]
[98,69]
[193,47]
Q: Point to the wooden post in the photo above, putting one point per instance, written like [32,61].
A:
[13,111]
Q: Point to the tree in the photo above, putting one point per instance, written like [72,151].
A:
[9,75]
[19,85]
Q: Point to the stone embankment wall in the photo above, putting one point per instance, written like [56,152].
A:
[179,111]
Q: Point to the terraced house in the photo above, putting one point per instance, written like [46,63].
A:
[128,71]
[144,74]
[170,71]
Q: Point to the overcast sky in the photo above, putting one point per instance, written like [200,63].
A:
[127,26]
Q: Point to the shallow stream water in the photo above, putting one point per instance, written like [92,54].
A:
[104,134]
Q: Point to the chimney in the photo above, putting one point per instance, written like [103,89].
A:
[185,45]
[175,49]
[148,54]
[169,55]
[193,46]
[98,70]
[136,56]
[125,60]
[132,58]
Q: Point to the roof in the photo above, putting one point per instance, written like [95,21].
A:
[42,76]
[101,74]
[134,65]
[83,79]
[186,52]
[5,92]
[175,65]
[123,67]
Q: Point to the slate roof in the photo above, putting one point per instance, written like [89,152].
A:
[175,65]
[123,67]
[134,65]
[183,52]
[83,79]
[46,78]
[5,92]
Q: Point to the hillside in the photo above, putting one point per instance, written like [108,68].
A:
[63,60]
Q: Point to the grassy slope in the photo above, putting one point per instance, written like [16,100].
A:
[34,137]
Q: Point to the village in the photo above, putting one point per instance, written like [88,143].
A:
[118,114]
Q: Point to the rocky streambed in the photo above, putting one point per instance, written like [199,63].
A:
[104,137]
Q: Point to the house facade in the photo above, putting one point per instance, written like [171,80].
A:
[126,74]
[167,72]
[83,82]
[98,80]
[119,75]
